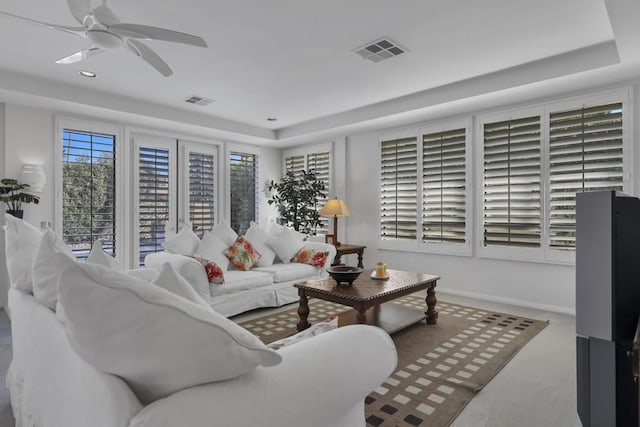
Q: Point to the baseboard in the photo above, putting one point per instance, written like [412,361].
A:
[518,302]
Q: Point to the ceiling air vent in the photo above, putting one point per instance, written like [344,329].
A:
[380,50]
[198,100]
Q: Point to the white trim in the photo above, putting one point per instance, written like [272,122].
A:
[511,301]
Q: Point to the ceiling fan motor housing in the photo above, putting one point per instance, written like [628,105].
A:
[104,39]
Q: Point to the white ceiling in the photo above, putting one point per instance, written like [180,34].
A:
[294,59]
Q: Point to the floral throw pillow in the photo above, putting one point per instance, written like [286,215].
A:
[312,257]
[213,270]
[242,254]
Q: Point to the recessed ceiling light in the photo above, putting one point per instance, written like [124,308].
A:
[272,119]
[87,73]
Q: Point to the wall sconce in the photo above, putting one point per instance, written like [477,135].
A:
[34,176]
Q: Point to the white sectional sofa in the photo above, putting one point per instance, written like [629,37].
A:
[267,284]
[93,346]
[245,290]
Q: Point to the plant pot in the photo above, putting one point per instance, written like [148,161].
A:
[17,214]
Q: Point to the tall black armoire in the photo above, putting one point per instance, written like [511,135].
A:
[607,306]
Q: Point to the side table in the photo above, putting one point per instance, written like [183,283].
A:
[345,249]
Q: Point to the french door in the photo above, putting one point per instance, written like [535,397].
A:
[175,186]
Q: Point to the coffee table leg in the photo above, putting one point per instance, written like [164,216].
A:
[431,300]
[303,311]
[361,314]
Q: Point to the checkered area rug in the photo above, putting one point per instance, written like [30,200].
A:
[440,367]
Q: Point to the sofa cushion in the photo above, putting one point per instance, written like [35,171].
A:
[50,255]
[225,233]
[258,237]
[21,240]
[236,281]
[291,271]
[285,245]
[157,342]
[171,281]
[184,243]
[311,256]
[242,254]
[212,249]
[100,257]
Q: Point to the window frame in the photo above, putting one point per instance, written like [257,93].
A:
[63,122]
[417,245]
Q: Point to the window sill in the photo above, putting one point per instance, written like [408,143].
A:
[435,249]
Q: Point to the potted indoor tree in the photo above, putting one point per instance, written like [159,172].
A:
[12,195]
[296,197]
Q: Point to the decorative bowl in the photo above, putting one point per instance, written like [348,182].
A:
[344,274]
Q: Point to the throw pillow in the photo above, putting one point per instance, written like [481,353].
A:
[184,243]
[212,249]
[285,245]
[100,257]
[314,330]
[173,282]
[21,242]
[258,237]
[157,342]
[214,272]
[242,254]
[51,253]
[312,257]
[225,233]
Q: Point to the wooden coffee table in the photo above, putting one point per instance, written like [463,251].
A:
[367,296]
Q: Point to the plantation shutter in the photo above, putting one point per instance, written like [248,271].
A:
[201,191]
[398,189]
[88,191]
[512,207]
[153,204]
[444,186]
[585,154]
[318,163]
[294,164]
[244,191]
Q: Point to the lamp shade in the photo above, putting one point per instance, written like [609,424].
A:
[335,207]
[34,176]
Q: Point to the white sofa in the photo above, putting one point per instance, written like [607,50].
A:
[246,290]
[321,381]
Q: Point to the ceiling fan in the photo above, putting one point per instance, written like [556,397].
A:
[105,31]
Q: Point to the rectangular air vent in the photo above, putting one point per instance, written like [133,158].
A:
[198,100]
[380,50]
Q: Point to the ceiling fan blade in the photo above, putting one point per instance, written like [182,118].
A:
[79,9]
[78,31]
[155,33]
[79,56]
[148,55]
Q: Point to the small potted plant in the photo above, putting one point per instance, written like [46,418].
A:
[12,195]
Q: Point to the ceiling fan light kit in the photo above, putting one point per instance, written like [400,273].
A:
[103,29]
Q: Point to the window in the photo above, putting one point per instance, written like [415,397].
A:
[88,190]
[444,186]
[316,159]
[244,190]
[585,153]
[398,189]
[512,208]
[201,182]
[153,199]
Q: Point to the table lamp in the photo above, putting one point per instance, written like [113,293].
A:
[335,208]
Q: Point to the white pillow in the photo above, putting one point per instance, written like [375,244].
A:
[274,229]
[225,233]
[171,281]
[316,329]
[21,242]
[50,255]
[184,243]
[286,245]
[146,274]
[157,342]
[258,238]
[211,248]
[100,257]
